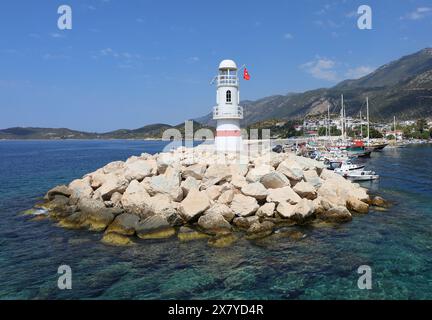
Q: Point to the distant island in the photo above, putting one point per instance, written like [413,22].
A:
[402,88]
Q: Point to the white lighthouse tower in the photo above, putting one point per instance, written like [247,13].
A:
[228,113]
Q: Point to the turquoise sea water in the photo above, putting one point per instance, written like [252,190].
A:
[397,244]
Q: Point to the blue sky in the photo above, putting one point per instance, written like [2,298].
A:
[127,63]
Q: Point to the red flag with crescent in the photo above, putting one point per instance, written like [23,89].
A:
[246,75]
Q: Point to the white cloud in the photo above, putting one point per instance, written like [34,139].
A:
[193,59]
[57,35]
[359,72]
[418,14]
[288,36]
[321,68]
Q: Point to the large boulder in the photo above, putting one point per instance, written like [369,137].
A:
[260,230]
[226,197]
[311,176]
[214,223]
[59,190]
[155,227]
[291,170]
[274,180]
[243,205]
[266,210]
[305,190]
[338,214]
[139,169]
[214,192]
[167,184]
[238,181]
[285,194]
[89,205]
[286,210]
[222,210]
[245,222]
[113,183]
[256,190]
[164,160]
[188,184]
[217,173]
[239,169]
[136,200]
[80,188]
[99,221]
[124,224]
[255,174]
[196,171]
[194,205]
[114,167]
[356,205]
[300,212]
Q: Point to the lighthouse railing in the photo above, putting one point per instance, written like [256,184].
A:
[230,80]
[228,113]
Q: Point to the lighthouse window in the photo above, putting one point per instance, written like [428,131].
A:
[228,96]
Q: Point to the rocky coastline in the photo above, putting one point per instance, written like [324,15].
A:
[191,193]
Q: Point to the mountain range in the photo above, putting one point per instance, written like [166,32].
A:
[402,88]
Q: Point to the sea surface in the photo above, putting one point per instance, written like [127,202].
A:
[396,244]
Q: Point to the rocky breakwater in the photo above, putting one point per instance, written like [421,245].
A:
[184,193]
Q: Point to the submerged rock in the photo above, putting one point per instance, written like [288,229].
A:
[115,239]
[189,234]
[59,190]
[124,224]
[155,227]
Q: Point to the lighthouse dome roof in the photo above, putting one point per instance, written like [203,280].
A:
[227,64]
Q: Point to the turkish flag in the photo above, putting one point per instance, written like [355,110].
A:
[246,75]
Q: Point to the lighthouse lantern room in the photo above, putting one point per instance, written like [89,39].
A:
[227,112]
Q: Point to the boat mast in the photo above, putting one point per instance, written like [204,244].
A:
[361,124]
[342,117]
[328,121]
[367,115]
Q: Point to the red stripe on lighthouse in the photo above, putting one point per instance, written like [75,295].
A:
[228,133]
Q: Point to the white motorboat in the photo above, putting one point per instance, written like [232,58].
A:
[358,175]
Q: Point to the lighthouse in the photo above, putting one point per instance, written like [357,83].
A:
[227,112]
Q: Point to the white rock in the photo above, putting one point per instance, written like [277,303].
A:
[80,188]
[255,174]
[139,169]
[291,170]
[226,197]
[113,167]
[266,210]
[188,184]
[213,192]
[223,210]
[285,194]
[286,210]
[163,184]
[194,205]
[256,190]
[305,190]
[239,181]
[274,180]
[244,205]
[113,183]
[196,171]
[136,199]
